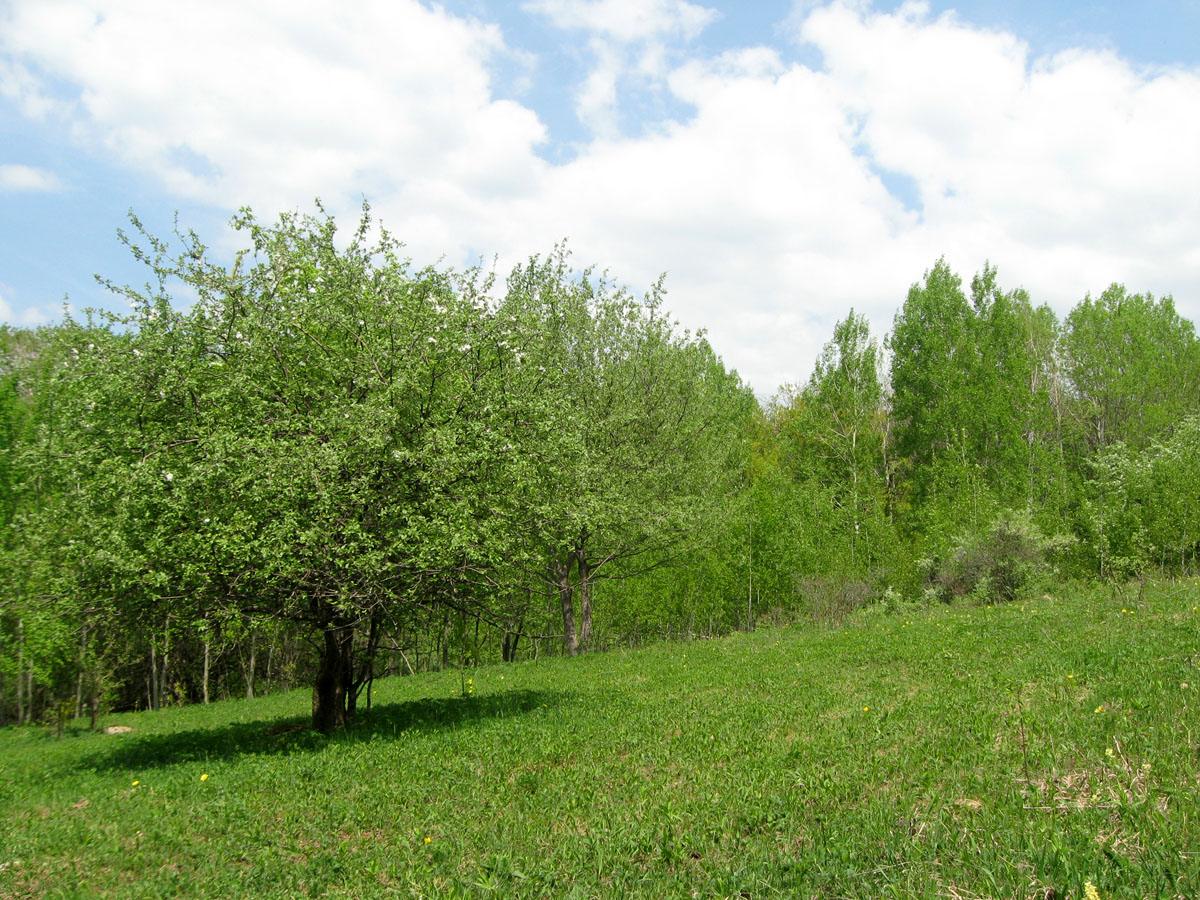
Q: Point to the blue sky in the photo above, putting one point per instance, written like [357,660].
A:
[781,161]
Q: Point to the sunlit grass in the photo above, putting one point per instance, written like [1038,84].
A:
[953,752]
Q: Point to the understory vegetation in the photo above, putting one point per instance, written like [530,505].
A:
[318,465]
[1017,750]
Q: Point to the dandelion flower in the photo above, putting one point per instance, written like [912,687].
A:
[135,783]
[428,839]
[865,708]
[1100,708]
[1070,676]
[204,777]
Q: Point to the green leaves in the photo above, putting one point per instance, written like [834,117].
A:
[1134,365]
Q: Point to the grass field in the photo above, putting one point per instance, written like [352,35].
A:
[1015,751]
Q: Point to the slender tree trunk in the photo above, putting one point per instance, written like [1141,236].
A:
[162,674]
[79,674]
[585,598]
[20,671]
[750,578]
[444,641]
[270,659]
[248,670]
[154,695]
[562,576]
[207,645]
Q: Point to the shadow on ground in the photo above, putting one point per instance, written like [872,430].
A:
[292,734]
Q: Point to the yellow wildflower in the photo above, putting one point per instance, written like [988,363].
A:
[428,839]
[1090,892]
[865,708]
[1109,752]
[1100,708]
[136,783]
[204,777]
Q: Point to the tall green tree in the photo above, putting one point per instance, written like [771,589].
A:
[1133,364]
[624,429]
[846,394]
[309,441]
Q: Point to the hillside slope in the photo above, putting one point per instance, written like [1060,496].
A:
[955,752]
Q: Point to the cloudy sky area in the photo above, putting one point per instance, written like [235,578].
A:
[782,162]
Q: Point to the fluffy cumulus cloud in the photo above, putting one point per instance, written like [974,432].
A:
[628,21]
[15,177]
[27,316]
[630,43]
[1065,170]
[272,103]
[767,203]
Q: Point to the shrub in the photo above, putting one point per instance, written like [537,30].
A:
[996,564]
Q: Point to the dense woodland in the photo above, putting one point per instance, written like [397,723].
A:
[320,465]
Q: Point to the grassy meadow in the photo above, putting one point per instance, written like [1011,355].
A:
[955,752]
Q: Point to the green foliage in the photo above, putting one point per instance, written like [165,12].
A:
[420,470]
[999,563]
[626,436]
[1143,507]
[1134,367]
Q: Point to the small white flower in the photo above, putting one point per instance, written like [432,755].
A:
[169,476]
[431,339]
[207,520]
[464,348]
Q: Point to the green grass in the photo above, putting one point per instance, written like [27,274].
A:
[955,752]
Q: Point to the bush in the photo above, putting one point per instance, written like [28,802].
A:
[996,564]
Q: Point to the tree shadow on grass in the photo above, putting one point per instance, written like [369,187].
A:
[293,734]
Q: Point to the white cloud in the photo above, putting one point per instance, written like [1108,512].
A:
[1067,170]
[628,21]
[28,178]
[273,103]
[630,41]
[26,317]
[766,206]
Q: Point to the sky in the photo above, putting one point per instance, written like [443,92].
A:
[781,162]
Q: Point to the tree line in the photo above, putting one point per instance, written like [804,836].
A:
[319,465]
